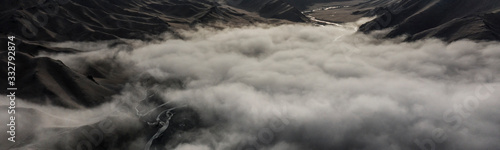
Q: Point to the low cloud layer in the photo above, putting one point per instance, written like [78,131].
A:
[295,87]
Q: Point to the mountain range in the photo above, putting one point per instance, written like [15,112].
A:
[46,81]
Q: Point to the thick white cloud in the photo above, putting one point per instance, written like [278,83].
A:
[325,87]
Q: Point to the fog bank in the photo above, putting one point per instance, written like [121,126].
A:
[318,87]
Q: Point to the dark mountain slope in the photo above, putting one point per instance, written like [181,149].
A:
[448,20]
[102,20]
[303,4]
[46,81]
[35,22]
[270,9]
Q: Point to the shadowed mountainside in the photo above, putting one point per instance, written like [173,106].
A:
[44,80]
[82,20]
[79,20]
[444,19]
[270,9]
[303,4]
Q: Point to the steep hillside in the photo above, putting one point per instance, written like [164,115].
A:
[270,9]
[447,20]
[47,81]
